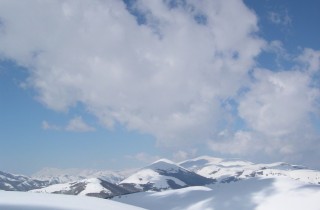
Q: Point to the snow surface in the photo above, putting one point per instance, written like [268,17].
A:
[235,163]
[53,188]
[164,160]
[147,176]
[93,185]
[224,169]
[165,165]
[252,194]
[220,172]
[158,174]
[34,201]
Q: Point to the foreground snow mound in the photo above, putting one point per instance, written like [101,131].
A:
[90,187]
[34,201]
[164,174]
[252,194]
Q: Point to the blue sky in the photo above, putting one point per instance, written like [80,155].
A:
[114,85]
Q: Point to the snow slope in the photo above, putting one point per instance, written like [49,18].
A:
[228,170]
[90,187]
[164,174]
[252,194]
[34,201]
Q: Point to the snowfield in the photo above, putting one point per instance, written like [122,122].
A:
[147,176]
[226,170]
[93,185]
[252,194]
[36,201]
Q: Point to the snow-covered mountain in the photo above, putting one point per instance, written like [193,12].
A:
[90,187]
[164,174]
[55,175]
[161,175]
[11,182]
[227,170]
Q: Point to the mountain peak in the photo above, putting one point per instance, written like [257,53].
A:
[164,160]
[165,165]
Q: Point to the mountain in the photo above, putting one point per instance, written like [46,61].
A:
[55,175]
[228,170]
[90,187]
[162,175]
[11,182]
[159,176]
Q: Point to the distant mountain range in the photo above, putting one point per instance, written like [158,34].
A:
[229,170]
[55,175]
[159,176]
[11,182]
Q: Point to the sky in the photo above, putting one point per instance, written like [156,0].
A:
[118,84]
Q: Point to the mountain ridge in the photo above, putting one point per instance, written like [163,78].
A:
[158,176]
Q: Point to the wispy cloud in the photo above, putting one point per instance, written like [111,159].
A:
[280,17]
[76,124]
[143,157]
[182,155]
[48,126]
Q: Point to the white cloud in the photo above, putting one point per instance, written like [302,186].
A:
[78,125]
[301,146]
[181,155]
[238,143]
[311,60]
[75,125]
[277,47]
[48,126]
[278,103]
[165,78]
[278,109]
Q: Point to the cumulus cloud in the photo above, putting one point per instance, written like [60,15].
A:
[278,110]
[165,77]
[278,102]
